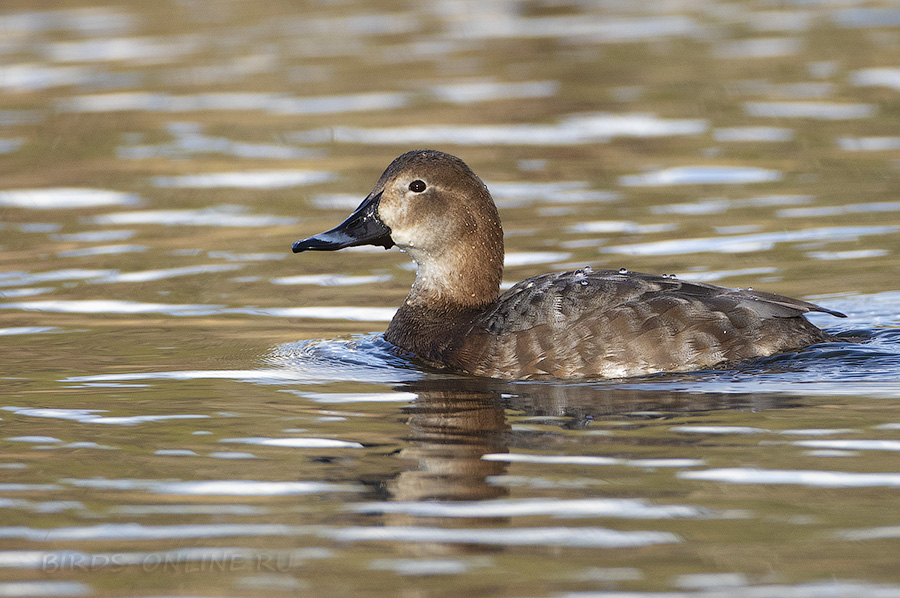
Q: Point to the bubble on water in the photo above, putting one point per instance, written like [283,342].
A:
[623,270]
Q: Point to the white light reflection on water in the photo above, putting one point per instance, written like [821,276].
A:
[431,566]
[872,533]
[329,280]
[752,134]
[768,47]
[233,455]
[344,398]
[470,92]
[7,146]
[261,376]
[94,236]
[34,439]
[585,537]
[110,306]
[191,143]
[245,257]
[213,487]
[589,460]
[859,208]
[575,129]
[103,250]
[274,103]
[784,91]
[336,201]
[620,226]
[852,254]
[88,416]
[251,179]
[877,77]
[523,193]
[812,478]
[62,198]
[819,431]
[181,509]
[719,430]
[9,279]
[557,508]
[701,175]
[12,487]
[496,23]
[80,20]
[866,17]
[16,330]
[44,589]
[527,258]
[151,275]
[719,205]
[851,445]
[357,314]
[316,443]
[216,216]
[30,76]
[713,275]
[24,292]
[814,110]
[105,306]
[749,243]
[135,50]
[137,531]
[309,362]
[48,506]
[869,144]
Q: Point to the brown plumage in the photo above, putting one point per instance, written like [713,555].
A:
[577,324]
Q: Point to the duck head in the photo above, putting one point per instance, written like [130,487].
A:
[432,206]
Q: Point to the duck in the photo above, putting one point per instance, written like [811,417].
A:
[578,324]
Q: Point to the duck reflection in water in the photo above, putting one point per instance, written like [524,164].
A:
[454,422]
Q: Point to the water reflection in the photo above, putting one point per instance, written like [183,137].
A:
[65,198]
[451,425]
[459,442]
[573,129]
[149,423]
[460,436]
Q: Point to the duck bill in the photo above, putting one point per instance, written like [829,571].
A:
[362,227]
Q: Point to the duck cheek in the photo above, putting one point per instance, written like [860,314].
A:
[418,242]
[403,240]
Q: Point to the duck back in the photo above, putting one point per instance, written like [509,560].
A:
[611,324]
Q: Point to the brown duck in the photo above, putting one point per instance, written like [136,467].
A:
[577,324]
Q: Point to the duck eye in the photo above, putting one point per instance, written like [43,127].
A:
[417,186]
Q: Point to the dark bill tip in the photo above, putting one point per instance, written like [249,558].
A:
[334,240]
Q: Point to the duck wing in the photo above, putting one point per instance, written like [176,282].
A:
[610,323]
[574,294]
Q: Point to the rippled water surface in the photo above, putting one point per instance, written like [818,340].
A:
[187,409]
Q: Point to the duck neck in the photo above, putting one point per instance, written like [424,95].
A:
[460,280]
[448,293]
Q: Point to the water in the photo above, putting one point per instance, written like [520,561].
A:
[188,409]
